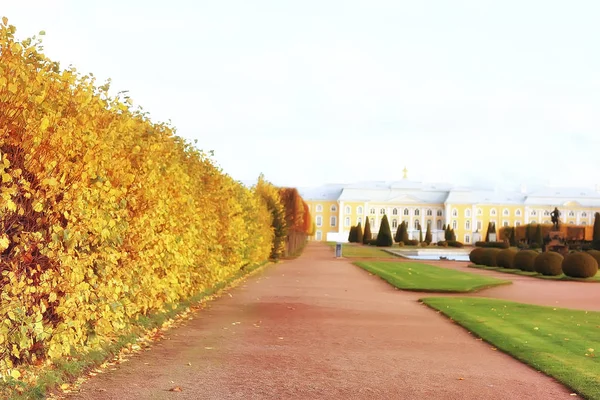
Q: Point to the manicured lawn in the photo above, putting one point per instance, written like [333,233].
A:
[427,278]
[536,275]
[357,250]
[562,343]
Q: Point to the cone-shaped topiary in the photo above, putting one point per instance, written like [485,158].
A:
[596,232]
[490,257]
[405,233]
[525,260]
[538,238]
[512,239]
[580,265]
[398,235]
[384,237]
[367,232]
[489,230]
[452,235]
[420,236]
[352,235]
[549,263]
[596,255]
[428,234]
[506,258]
[359,233]
[475,255]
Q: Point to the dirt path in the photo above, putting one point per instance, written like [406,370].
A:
[319,328]
[525,289]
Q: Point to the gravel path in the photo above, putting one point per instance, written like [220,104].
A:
[320,328]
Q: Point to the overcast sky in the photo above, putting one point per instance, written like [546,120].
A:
[312,92]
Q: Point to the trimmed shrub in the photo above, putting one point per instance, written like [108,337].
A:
[373,242]
[535,245]
[525,260]
[384,237]
[428,234]
[352,236]
[506,258]
[412,242]
[476,255]
[367,232]
[442,243]
[549,263]
[359,233]
[496,245]
[489,257]
[580,265]
[400,244]
[595,254]
[454,243]
[423,244]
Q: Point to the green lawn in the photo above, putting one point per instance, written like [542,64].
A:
[427,278]
[537,275]
[562,343]
[357,250]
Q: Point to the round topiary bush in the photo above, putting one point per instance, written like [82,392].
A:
[400,244]
[489,257]
[525,259]
[549,263]
[595,254]
[475,255]
[506,258]
[580,265]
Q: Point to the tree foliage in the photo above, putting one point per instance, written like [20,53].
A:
[384,236]
[367,232]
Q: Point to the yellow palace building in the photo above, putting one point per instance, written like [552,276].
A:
[336,207]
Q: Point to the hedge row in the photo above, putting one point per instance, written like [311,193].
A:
[576,264]
[107,216]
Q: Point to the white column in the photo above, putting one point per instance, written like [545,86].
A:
[341,218]
[448,214]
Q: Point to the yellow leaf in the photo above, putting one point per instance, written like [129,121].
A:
[38,207]
[12,88]
[4,21]
[11,205]
[6,178]
[52,297]
[4,242]
[44,124]
[15,374]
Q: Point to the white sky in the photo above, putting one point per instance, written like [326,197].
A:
[311,92]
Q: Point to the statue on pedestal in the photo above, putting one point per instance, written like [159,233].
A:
[555,215]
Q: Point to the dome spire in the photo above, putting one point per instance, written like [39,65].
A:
[405,173]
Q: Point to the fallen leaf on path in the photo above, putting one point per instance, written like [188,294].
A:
[175,389]
[461,379]
[208,348]
[189,363]
[493,348]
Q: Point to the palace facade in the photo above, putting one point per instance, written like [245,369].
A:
[336,208]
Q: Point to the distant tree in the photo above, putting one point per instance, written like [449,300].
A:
[405,233]
[448,233]
[352,235]
[487,233]
[359,233]
[596,232]
[367,232]
[384,237]
[428,234]
[512,240]
[538,238]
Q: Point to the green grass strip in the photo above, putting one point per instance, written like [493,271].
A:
[561,277]
[427,278]
[562,343]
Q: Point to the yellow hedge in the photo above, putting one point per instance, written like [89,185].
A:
[105,215]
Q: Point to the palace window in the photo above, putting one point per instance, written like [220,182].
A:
[319,208]
[416,224]
[493,212]
[372,222]
[333,221]
[439,213]
[533,213]
[439,224]
[479,211]
[429,223]
[467,239]
[478,225]
[518,213]
[468,213]
[416,212]
[454,224]
[505,212]
[319,220]
[359,210]
[394,223]
[382,211]
[504,223]
[583,223]
[333,208]
[319,235]
[572,222]
[372,211]
[584,214]
[395,211]
[358,220]
[347,210]
[571,214]
[347,221]
[454,212]
[468,225]
[406,211]
[518,223]
[429,213]
[546,213]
